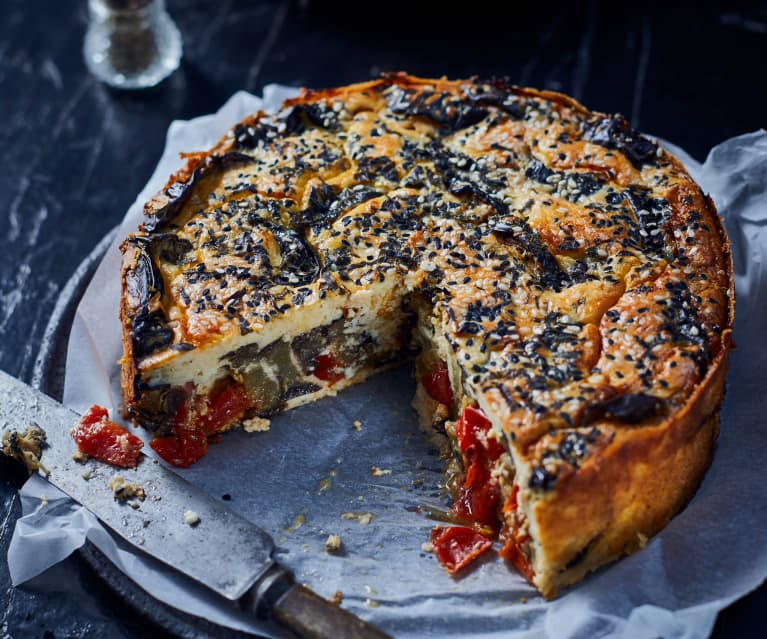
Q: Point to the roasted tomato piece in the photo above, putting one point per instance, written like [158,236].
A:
[94,415]
[106,441]
[437,384]
[183,449]
[457,546]
[328,368]
[480,493]
[189,441]
[478,497]
[225,407]
[472,429]
[512,552]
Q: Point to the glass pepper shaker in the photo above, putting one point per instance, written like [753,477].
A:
[131,44]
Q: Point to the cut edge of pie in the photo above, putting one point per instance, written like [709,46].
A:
[568,285]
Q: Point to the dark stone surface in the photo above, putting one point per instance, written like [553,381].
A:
[76,153]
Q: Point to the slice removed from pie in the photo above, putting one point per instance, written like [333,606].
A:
[567,285]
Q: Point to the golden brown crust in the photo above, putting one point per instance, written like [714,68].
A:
[580,282]
[630,490]
[128,361]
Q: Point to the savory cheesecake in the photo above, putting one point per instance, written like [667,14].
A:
[566,285]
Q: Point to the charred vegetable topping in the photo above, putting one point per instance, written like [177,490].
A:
[144,281]
[526,240]
[445,109]
[614,132]
[565,451]
[144,285]
[498,97]
[299,263]
[249,136]
[351,197]
[179,192]
[170,248]
[296,119]
[682,323]
[106,441]
[371,168]
[319,209]
[631,408]
[542,479]
[150,333]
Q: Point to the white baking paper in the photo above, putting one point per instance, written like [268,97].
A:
[310,475]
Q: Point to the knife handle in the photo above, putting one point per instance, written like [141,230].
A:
[307,615]
[311,617]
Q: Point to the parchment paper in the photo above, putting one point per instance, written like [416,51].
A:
[310,475]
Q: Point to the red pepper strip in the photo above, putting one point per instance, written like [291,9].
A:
[225,407]
[190,441]
[182,449]
[106,441]
[457,546]
[512,541]
[480,494]
[437,384]
[328,368]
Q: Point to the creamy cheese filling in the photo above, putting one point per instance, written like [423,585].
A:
[307,354]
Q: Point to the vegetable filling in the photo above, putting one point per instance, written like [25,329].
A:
[478,502]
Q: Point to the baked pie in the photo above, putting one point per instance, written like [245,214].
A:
[566,285]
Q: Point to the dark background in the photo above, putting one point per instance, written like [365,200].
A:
[75,153]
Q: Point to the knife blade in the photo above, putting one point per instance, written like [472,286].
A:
[250,578]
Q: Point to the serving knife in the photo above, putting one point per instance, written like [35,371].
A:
[221,550]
